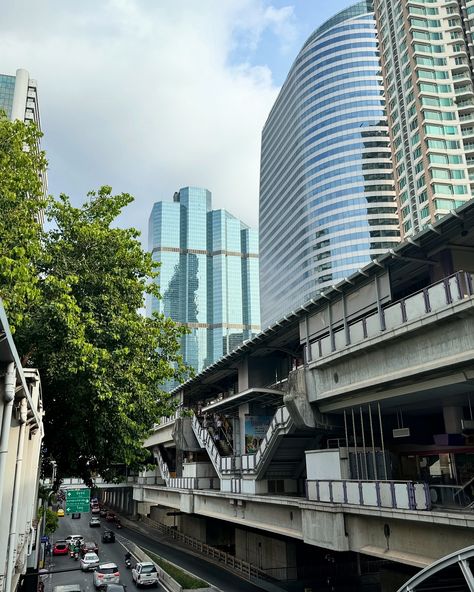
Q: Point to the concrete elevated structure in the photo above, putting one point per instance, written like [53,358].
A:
[345,427]
[21,434]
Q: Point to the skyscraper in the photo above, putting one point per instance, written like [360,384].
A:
[208,274]
[19,100]
[19,97]
[426,51]
[327,195]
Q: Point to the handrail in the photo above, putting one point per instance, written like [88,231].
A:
[245,568]
[164,470]
[410,495]
[206,441]
[463,288]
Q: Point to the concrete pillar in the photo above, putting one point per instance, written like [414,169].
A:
[277,557]
[19,95]
[243,411]
[193,526]
[452,419]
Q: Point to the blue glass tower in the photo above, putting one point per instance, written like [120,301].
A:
[208,274]
[327,195]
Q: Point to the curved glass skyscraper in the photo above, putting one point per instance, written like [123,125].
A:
[327,196]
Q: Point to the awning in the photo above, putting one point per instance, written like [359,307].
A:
[262,395]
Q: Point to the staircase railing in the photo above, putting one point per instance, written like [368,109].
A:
[247,463]
[280,425]
[165,473]
[206,441]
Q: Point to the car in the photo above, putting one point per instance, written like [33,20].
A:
[95,510]
[94,521]
[89,547]
[107,573]
[60,548]
[108,536]
[144,573]
[115,588]
[60,512]
[68,588]
[75,537]
[89,561]
[75,515]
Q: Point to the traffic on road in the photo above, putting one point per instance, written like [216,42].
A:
[100,561]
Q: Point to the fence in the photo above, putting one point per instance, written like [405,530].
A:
[245,569]
[408,495]
[434,297]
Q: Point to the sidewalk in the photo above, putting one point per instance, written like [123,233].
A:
[169,541]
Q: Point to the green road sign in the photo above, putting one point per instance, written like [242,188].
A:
[78,500]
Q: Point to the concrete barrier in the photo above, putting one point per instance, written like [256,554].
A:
[164,578]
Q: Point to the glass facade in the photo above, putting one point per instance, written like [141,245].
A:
[327,195]
[7,88]
[430,104]
[208,274]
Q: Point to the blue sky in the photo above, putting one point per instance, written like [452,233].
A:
[152,96]
[307,16]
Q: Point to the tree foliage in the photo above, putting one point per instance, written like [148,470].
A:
[51,519]
[21,198]
[102,363]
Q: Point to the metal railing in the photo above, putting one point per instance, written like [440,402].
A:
[449,290]
[244,568]
[408,495]
[248,463]
[165,473]
[206,441]
[281,422]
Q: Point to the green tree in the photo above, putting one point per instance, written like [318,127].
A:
[102,362]
[73,296]
[22,166]
[51,519]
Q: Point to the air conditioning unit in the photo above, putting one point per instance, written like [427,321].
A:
[467,426]
[401,432]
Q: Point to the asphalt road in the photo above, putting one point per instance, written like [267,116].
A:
[114,552]
[108,552]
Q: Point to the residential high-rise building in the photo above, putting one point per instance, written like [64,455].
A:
[208,274]
[426,51]
[327,195]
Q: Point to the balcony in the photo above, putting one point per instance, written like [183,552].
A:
[435,297]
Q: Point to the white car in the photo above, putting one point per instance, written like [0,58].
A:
[145,574]
[89,561]
[107,573]
[75,537]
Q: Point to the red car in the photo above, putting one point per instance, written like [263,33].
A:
[60,548]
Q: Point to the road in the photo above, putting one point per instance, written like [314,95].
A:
[108,552]
[114,552]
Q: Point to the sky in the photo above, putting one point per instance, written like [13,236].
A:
[152,95]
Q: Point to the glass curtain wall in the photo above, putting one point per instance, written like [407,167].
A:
[327,198]
[208,275]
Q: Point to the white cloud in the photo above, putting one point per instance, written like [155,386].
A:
[140,94]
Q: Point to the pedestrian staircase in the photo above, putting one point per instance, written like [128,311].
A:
[247,464]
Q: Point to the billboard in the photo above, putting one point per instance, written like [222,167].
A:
[256,427]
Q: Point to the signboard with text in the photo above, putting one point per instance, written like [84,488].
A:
[78,500]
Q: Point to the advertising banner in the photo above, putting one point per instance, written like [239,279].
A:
[256,427]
